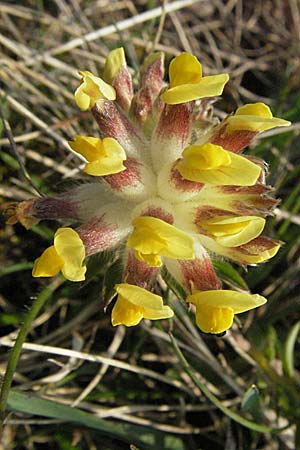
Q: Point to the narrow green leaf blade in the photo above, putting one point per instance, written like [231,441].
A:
[133,434]
[289,347]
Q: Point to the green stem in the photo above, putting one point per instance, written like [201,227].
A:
[232,415]
[16,351]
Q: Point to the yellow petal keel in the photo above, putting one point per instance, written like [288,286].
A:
[104,157]
[135,303]
[215,309]
[150,259]
[152,236]
[91,90]
[66,255]
[214,320]
[70,248]
[210,163]
[48,264]
[234,231]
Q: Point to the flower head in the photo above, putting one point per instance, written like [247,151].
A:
[165,190]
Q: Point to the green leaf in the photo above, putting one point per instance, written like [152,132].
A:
[133,434]
[113,275]
[9,318]
[173,284]
[251,402]
[229,275]
[288,356]
[16,268]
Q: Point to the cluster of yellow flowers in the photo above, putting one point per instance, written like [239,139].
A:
[167,185]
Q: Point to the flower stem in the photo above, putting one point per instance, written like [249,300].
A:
[16,351]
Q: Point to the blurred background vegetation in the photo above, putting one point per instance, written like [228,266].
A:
[116,389]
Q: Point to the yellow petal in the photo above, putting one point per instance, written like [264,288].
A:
[234,231]
[184,69]
[165,312]
[114,61]
[113,148]
[104,166]
[256,117]
[126,313]
[214,320]
[238,301]
[48,264]
[238,172]
[70,249]
[152,236]
[150,259]
[82,99]
[210,86]
[139,296]
[89,147]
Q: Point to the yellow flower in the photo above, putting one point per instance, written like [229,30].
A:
[67,254]
[153,238]
[210,163]
[215,309]
[104,156]
[187,83]
[187,199]
[91,90]
[233,231]
[134,304]
[254,117]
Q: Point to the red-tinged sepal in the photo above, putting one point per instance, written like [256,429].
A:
[255,251]
[114,123]
[243,200]
[234,141]
[262,164]
[196,274]
[135,183]
[173,187]
[80,204]
[151,83]
[106,229]
[117,74]
[172,134]
[155,207]
[138,272]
